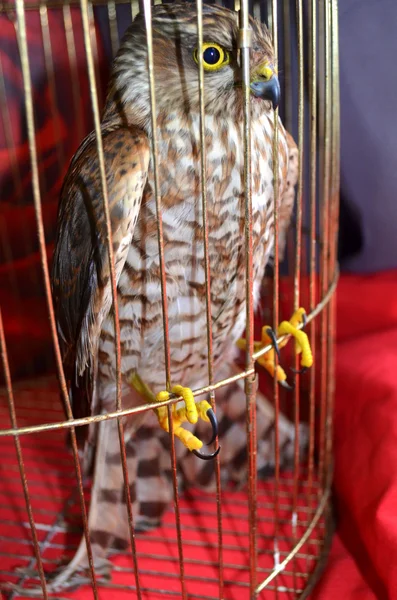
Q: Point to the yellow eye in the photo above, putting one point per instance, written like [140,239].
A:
[214,56]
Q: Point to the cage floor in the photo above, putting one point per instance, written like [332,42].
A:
[52,486]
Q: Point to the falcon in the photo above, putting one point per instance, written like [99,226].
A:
[81,278]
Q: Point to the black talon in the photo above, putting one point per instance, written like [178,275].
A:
[214,422]
[272,336]
[299,371]
[206,456]
[287,386]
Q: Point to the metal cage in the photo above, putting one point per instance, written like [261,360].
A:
[269,539]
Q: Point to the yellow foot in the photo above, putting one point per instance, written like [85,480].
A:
[191,412]
[289,328]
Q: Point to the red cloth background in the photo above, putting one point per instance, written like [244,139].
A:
[363,561]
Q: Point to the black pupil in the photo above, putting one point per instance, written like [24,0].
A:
[211,55]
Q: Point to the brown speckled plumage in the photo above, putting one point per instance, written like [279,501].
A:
[81,284]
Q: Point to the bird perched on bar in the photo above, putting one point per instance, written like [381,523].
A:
[81,279]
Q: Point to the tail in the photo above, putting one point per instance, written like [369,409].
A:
[150,492]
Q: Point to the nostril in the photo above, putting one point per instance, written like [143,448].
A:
[265,73]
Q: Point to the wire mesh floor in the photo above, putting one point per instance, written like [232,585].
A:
[51,479]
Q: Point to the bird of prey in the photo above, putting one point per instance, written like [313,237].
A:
[81,278]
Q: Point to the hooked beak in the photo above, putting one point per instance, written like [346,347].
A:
[265,85]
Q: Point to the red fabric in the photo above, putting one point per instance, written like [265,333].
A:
[363,562]
[342,577]
[366,304]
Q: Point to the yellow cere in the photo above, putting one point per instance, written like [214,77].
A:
[266,72]
[214,56]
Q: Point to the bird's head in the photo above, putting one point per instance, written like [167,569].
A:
[176,65]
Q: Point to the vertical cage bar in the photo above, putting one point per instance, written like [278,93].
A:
[298,249]
[94,50]
[114,36]
[134,9]
[256,10]
[163,281]
[335,120]
[270,16]
[336,130]
[49,66]
[76,92]
[325,241]
[334,216]
[176,506]
[250,391]
[27,86]
[301,76]
[332,229]
[207,271]
[313,237]
[287,64]
[276,283]
[21,466]
[105,199]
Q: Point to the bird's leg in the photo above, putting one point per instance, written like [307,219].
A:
[286,328]
[191,412]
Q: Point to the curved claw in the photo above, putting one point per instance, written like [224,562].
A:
[304,320]
[214,422]
[299,371]
[273,338]
[287,386]
[207,456]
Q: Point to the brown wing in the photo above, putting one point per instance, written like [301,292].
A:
[80,274]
